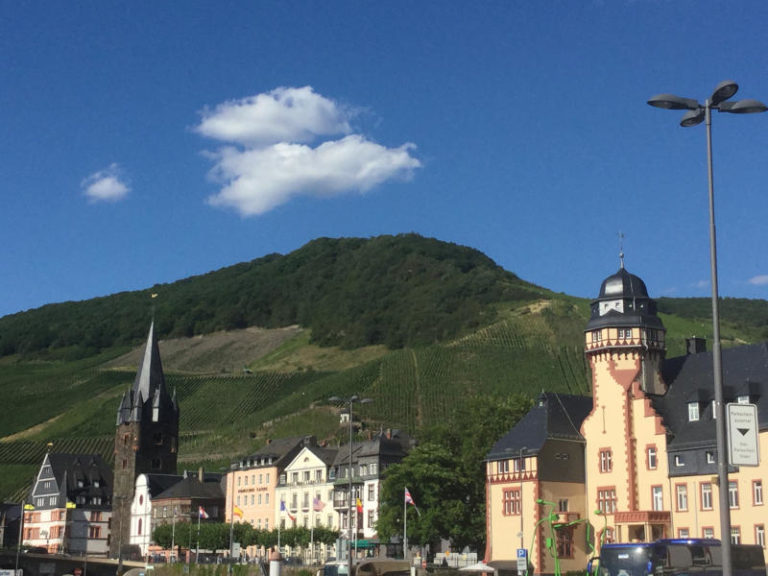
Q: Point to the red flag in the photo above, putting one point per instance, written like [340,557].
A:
[202,513]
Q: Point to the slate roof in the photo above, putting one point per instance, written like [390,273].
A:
[689,379]
[278,452]
[555,416]
[191,488]
[88,470]
[148,390]
[639,308]
[158,483]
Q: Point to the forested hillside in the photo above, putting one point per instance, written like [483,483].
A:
[395,290]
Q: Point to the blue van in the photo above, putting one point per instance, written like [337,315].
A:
[676,557]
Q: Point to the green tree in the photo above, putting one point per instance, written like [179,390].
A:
[446,477]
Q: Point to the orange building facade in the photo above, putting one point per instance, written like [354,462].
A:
[635,462]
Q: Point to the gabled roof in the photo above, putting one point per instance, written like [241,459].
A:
[192,488]
[390,445]
[555,416]
[158,483]
[689,379]
[276,453]
[81,475]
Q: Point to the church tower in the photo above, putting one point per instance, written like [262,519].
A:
[146,439]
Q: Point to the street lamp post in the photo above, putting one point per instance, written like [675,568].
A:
[350,400]
[696,113]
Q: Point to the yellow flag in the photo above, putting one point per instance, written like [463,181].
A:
[70,505]
[237,511]
[28,507]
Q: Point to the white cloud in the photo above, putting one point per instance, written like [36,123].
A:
[283,115]
[269,158]
[761,280]
[105,185]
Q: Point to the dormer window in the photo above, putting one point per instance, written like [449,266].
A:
[693,411]
[679,461]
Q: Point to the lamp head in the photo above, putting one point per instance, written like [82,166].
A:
[723,91]
[692,118]
[747,106]
[672,102]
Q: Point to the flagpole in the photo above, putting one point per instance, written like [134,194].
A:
[405,527]
[197,548]
[312,534]
[231,528]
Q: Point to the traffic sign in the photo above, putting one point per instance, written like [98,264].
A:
[743,447]
[522,560]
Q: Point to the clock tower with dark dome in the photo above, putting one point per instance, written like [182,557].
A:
[623,329]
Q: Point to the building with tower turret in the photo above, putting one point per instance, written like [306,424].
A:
[637,460]
[146,439]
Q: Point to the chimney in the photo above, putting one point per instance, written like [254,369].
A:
[695,345]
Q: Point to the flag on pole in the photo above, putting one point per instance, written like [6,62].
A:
[203,514]
[284,509]
[237,511]
[318,505]
[359,506]
[409,500]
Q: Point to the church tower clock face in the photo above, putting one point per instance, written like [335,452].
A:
[608,305]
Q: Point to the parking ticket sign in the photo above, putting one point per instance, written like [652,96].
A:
[743,447]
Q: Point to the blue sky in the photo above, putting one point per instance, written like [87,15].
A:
[143,142]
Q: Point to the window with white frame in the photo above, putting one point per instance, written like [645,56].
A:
[708,532]
[679,460]
[652,458]
[760,535]
[733,494]
[757,492]
[502,466]
[735,535]
[693,411]
[606,461]
[657,498]
[681,491]
[710,457]
[706,496]
[519,464]
[606,500]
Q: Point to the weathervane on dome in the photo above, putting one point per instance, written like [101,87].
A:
[621,249]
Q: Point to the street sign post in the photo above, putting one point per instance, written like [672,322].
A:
[522,561]
[743,447]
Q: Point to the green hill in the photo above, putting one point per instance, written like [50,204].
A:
[417,325]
